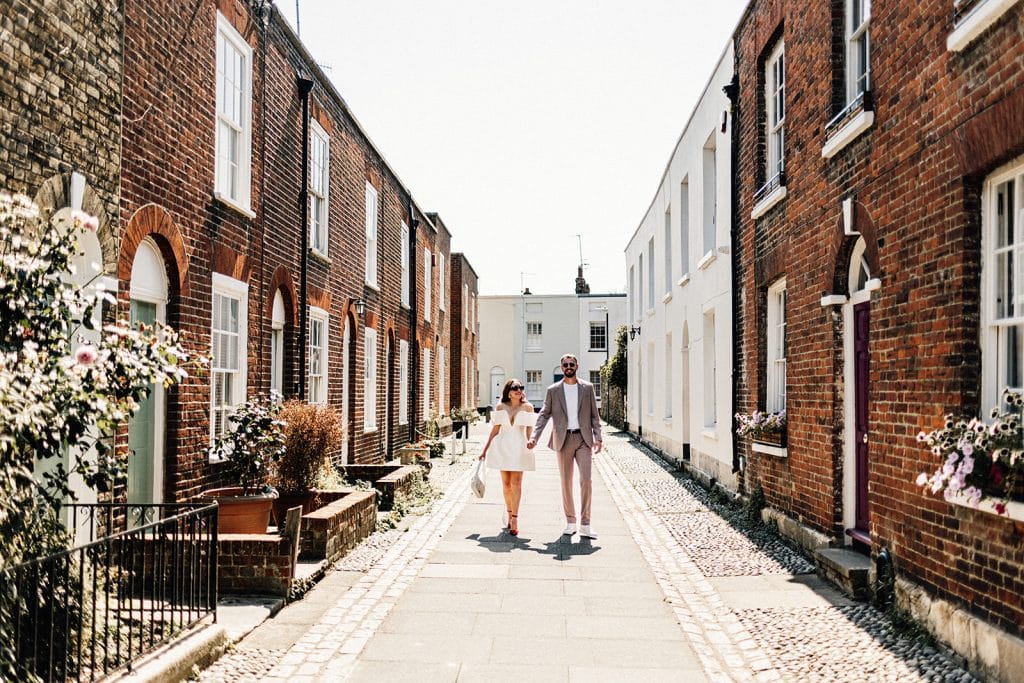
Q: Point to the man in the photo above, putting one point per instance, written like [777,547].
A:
[575,436]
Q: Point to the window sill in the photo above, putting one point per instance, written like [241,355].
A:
[848,133]
[773,198]
[668,297]
[596,350]
[684,280]
[534,350]
[319,256]
[234,206]
[768,449]
[372,285]
[708,433]
[1014,509]
[707,260]
[369,430]
[975,23]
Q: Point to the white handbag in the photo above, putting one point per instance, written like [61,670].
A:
[478,484]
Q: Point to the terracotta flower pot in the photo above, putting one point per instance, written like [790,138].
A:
[240,514]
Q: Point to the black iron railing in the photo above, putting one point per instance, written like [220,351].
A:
[775,182]
[81,614]
[863,102]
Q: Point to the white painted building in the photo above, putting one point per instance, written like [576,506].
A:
[524,336]
[678,272]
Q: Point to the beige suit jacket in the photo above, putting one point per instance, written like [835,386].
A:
[554,409]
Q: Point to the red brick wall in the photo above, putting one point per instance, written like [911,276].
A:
[463,339]
[917,205]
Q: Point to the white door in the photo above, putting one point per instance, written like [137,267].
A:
[148,294]
[497,384]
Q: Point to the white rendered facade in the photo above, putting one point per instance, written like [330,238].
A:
[680,363]
[524,336]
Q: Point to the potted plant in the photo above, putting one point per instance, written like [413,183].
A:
[462,418]
[762,426]
[254,442]
[981,462]
[311,433]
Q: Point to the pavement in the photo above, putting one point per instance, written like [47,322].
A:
[675,587]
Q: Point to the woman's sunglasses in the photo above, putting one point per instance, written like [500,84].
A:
[516,387]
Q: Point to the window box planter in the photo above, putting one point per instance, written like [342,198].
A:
[389,480]
[777,439]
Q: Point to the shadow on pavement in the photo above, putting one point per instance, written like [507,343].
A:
[563,549]
[504,542]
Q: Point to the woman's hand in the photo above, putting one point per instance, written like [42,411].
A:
[482,456]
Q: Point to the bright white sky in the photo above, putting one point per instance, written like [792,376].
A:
[524,123]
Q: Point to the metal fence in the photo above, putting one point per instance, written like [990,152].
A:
[149,574]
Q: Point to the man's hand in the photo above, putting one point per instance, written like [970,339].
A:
[597,447]
[531,443]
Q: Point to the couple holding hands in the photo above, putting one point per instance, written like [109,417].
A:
[571,405]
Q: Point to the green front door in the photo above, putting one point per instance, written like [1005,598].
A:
[142,428]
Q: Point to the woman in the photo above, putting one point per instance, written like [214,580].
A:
[513,425]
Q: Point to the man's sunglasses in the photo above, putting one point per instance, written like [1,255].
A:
[516,387]
[568,365]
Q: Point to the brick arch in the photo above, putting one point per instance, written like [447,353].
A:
[842,248]
[282,280]
[155,222]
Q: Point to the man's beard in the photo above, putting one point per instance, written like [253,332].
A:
[570,372]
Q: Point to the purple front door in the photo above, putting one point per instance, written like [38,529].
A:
[861,364]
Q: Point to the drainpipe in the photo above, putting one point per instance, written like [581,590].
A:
[732,91]
[414,347]
[305,86]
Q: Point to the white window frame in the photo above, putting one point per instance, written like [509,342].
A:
[224,286]
[319,187]
[319,326]
[534,335]
[666,374]
[534,385]
[403,382]
[710,372]
[775,356]
[684,228]
[405,265]
[442,360]
[858,75]
[775,112]
[604,333]
[369,380]
[595,379]
[1002,313]
[240,122]
[426,383]
[709,169]
[976,23]
[465,306]
[440,282]
[372,204]
[649,380]
[428,282]
[668,250]
[650,273]
[640,287]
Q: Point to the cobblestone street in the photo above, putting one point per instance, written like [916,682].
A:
[678,586]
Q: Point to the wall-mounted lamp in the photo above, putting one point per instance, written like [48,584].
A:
[633,331]
[360,307]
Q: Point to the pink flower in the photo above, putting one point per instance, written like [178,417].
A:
[973,496]
[1000,508]
[922,479]
[86,355]
[84,220]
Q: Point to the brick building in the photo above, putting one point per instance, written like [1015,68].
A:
[291,254]
[878,149]
[464,333]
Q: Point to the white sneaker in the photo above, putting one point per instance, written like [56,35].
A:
[569,530]
[587,532]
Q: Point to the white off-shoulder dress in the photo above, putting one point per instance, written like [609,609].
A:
[508,450]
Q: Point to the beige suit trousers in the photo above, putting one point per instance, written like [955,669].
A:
[575,450]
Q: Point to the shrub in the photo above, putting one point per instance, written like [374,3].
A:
[254,444]
[311,432]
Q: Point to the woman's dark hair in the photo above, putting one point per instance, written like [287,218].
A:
[506,391]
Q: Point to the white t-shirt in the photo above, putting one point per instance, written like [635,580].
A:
[572,404]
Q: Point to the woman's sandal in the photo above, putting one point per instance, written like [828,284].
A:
[514,532]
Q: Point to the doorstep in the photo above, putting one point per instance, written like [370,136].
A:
[847,569]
